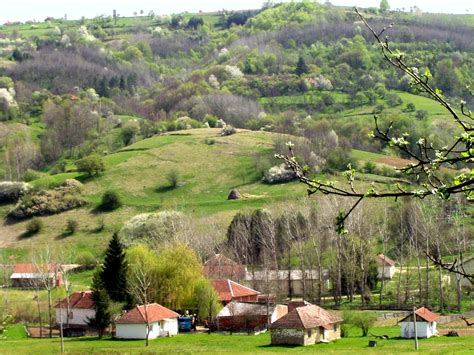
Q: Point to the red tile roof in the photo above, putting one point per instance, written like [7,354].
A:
[156,313]
[383,259]
[82,300]
[307,317]
[227,290]
[423,313]
[33,269]
[219,266]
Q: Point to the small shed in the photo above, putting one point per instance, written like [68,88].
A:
[32,275]
[132,325]
[306,326]
[385,267]
[81,309]
[248,316]
[425,324]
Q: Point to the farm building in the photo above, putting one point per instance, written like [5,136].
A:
[289,282]
[81,308]
[468,267]
[306,326]
[32,275]
[221,267]
[132,325]
[425,324]
[248,316]
[385,267]
[229,290]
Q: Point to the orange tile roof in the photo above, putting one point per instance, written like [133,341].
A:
[423,313]
[82,300]
[33,269]
[228,290]
[307,317]
[137,315]
[383,259]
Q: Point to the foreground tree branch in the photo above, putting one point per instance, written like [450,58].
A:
[426,159]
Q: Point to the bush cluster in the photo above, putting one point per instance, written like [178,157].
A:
[12,190]
[45,202]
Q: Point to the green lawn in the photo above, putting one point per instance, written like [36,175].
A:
[231,344]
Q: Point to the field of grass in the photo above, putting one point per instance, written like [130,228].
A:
[231,344]
[138,172]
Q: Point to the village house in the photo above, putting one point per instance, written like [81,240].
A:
[248,316]
[385,267]
[468,268]
[306,325]
[425,324]
[81,309]
[132,325]
[221,267]
[228,290]
[290,283]
[32,275]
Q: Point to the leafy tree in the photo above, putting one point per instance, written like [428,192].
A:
[110,200]
[301,67]
[129,131]
[113,274]
[173,178]
[361,319]
[384,6]
[195,22]
[179,270]
[91,165]
[103,315]
[208,303]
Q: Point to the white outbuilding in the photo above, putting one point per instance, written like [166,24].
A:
[81,308]
[132,325]
[425,324]
[385,267]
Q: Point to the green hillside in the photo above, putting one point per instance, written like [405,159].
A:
[208,165]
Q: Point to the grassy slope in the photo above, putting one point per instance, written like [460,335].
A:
[138,172]
[217,343]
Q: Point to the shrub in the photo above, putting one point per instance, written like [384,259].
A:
[393,100]
[71,226]
[44,202]
[34,226]
[110,200]
[410,107]
[369,167]
[421,115]
[11,191]
[153,228]
[31,175]
[210,141]
[86,259]
[278,174]
[362,319]
[173,178]
[228,130]
[91,165]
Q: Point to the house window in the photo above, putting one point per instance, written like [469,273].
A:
[71,315]
[151,327]
[335,327]
[310,333]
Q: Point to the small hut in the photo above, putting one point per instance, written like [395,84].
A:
[425,324]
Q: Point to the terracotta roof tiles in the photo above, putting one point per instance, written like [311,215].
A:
[307,317]
[156,313]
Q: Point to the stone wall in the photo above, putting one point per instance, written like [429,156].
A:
[288,336]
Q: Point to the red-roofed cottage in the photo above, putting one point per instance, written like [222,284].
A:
[425,324]
[81,308]
[385,267]
[306,326]
[32,275]
[228,290]
[132,325]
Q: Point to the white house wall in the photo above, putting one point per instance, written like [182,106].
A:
[79,316]
[424,329]
[136,331]
[170,326]
[387,272]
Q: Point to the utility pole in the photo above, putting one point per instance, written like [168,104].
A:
[414,328]
[61,326]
